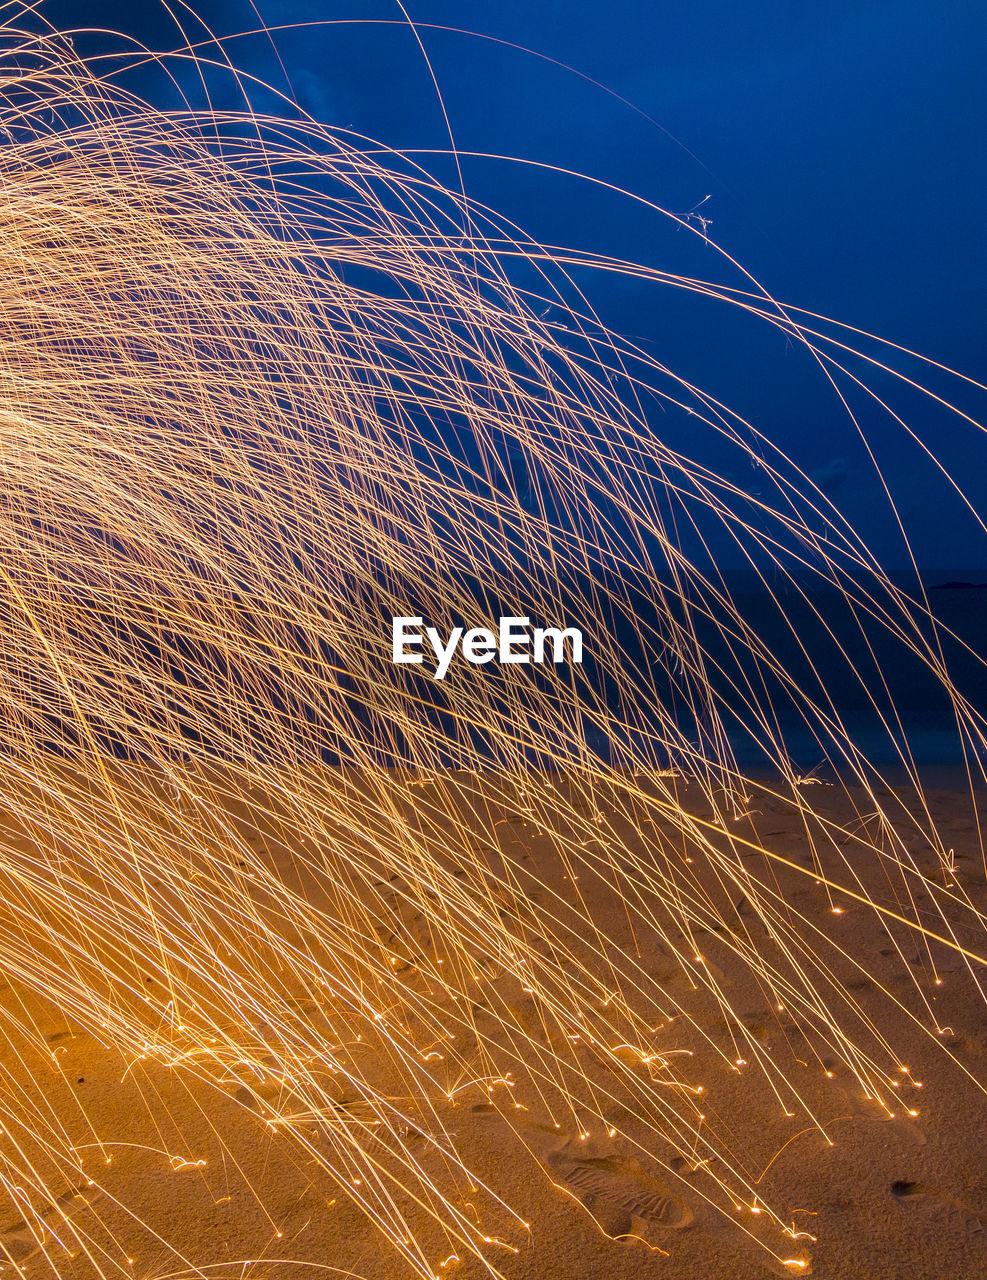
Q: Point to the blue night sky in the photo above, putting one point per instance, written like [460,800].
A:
[841,145]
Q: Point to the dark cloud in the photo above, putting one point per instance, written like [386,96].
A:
[831,477]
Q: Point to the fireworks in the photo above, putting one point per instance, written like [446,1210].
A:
[260,394]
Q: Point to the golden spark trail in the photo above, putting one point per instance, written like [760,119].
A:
[260,392]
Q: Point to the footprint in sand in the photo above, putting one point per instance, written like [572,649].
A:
[622,1197]
[619,1193]
[941,1211]
[19,1241]
[870,1111]
[58,1036]
[254,1097]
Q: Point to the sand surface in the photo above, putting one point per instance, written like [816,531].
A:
[188,1179]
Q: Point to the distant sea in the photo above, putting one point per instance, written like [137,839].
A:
[922,713]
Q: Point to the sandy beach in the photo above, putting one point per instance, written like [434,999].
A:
[191,1177]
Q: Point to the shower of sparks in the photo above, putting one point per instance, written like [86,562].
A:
[261,389]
